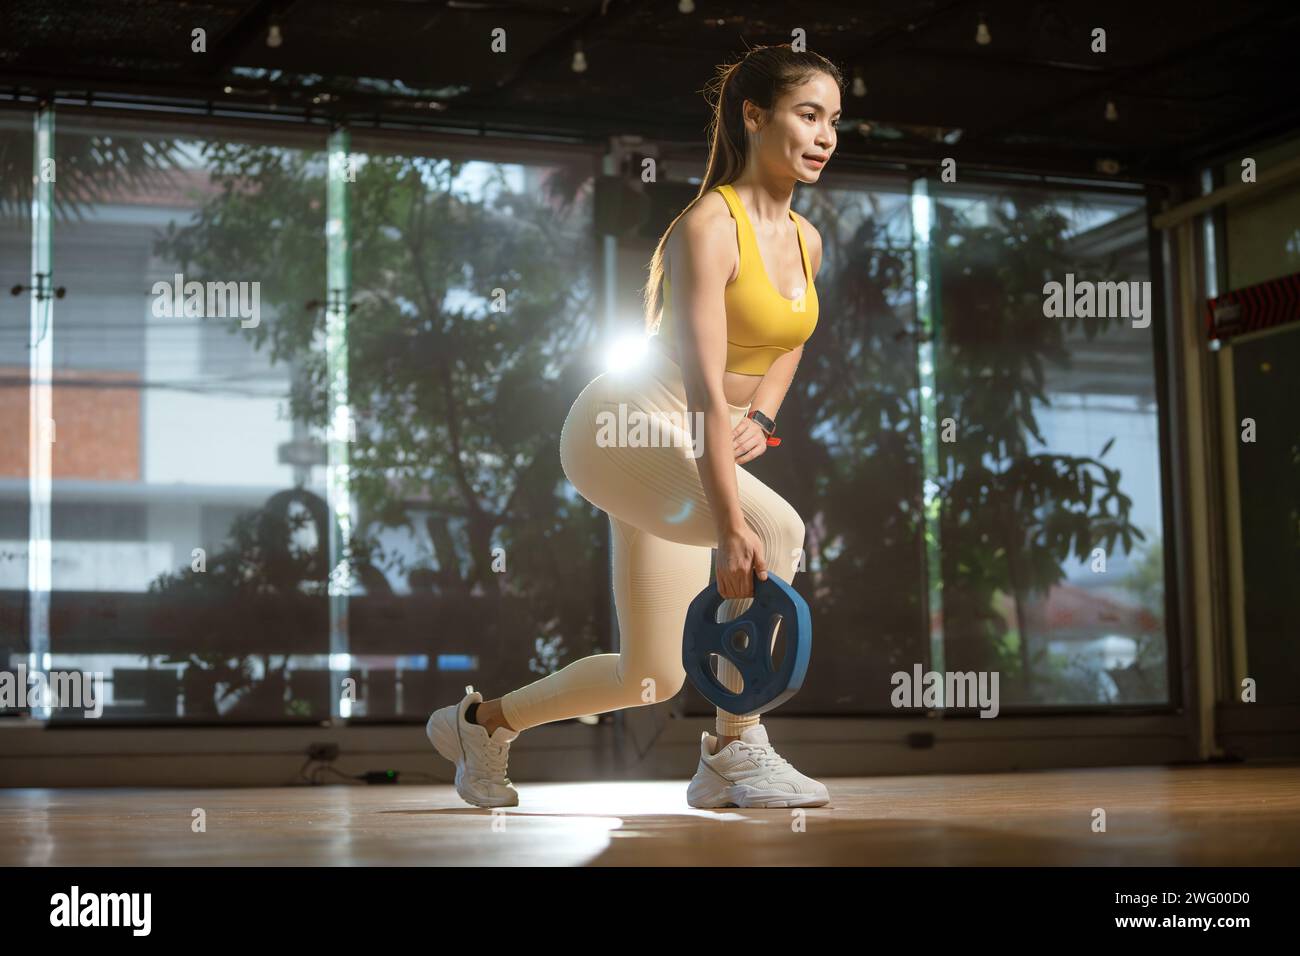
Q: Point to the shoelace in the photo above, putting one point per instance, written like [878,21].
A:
[767,757]
[495,756]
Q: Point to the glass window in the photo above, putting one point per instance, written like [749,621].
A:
[16,143]
[1051,519]
[474,314]
[1262,235]
[1266,368]
[979,475]
[185,565]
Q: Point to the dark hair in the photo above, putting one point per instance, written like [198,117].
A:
[762,76]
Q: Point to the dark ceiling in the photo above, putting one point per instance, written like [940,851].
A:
[1189,80]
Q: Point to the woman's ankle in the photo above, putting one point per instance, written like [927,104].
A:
[490,716]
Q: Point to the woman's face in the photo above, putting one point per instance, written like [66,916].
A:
[801,131]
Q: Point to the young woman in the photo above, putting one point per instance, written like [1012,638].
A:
[738,303]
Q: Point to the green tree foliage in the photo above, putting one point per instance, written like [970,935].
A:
[1011,517]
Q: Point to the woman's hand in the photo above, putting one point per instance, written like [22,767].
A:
[740,557]
[748,440]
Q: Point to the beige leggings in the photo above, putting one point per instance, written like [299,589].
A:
[663,536]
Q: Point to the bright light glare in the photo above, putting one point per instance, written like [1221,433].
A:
[627,352]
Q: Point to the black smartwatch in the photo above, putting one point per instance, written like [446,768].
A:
[767,425]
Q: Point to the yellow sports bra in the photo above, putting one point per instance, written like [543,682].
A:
[762,324]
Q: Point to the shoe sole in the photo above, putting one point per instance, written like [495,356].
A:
[762,802]
[744,797]
[444,734]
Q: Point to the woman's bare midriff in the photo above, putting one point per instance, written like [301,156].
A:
[738,388]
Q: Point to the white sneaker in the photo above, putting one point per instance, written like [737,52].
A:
[749,773]
[480,760]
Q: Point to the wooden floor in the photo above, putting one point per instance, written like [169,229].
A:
[1203,815]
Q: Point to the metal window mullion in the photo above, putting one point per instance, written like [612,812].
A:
[927,401]
[40,418]
[338,280]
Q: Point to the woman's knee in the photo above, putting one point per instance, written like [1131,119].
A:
[786,549]
[795,530]
[654,686]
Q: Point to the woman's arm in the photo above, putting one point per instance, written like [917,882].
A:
[776,382]
[702,251]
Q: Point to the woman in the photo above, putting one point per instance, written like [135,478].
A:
[729,341]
